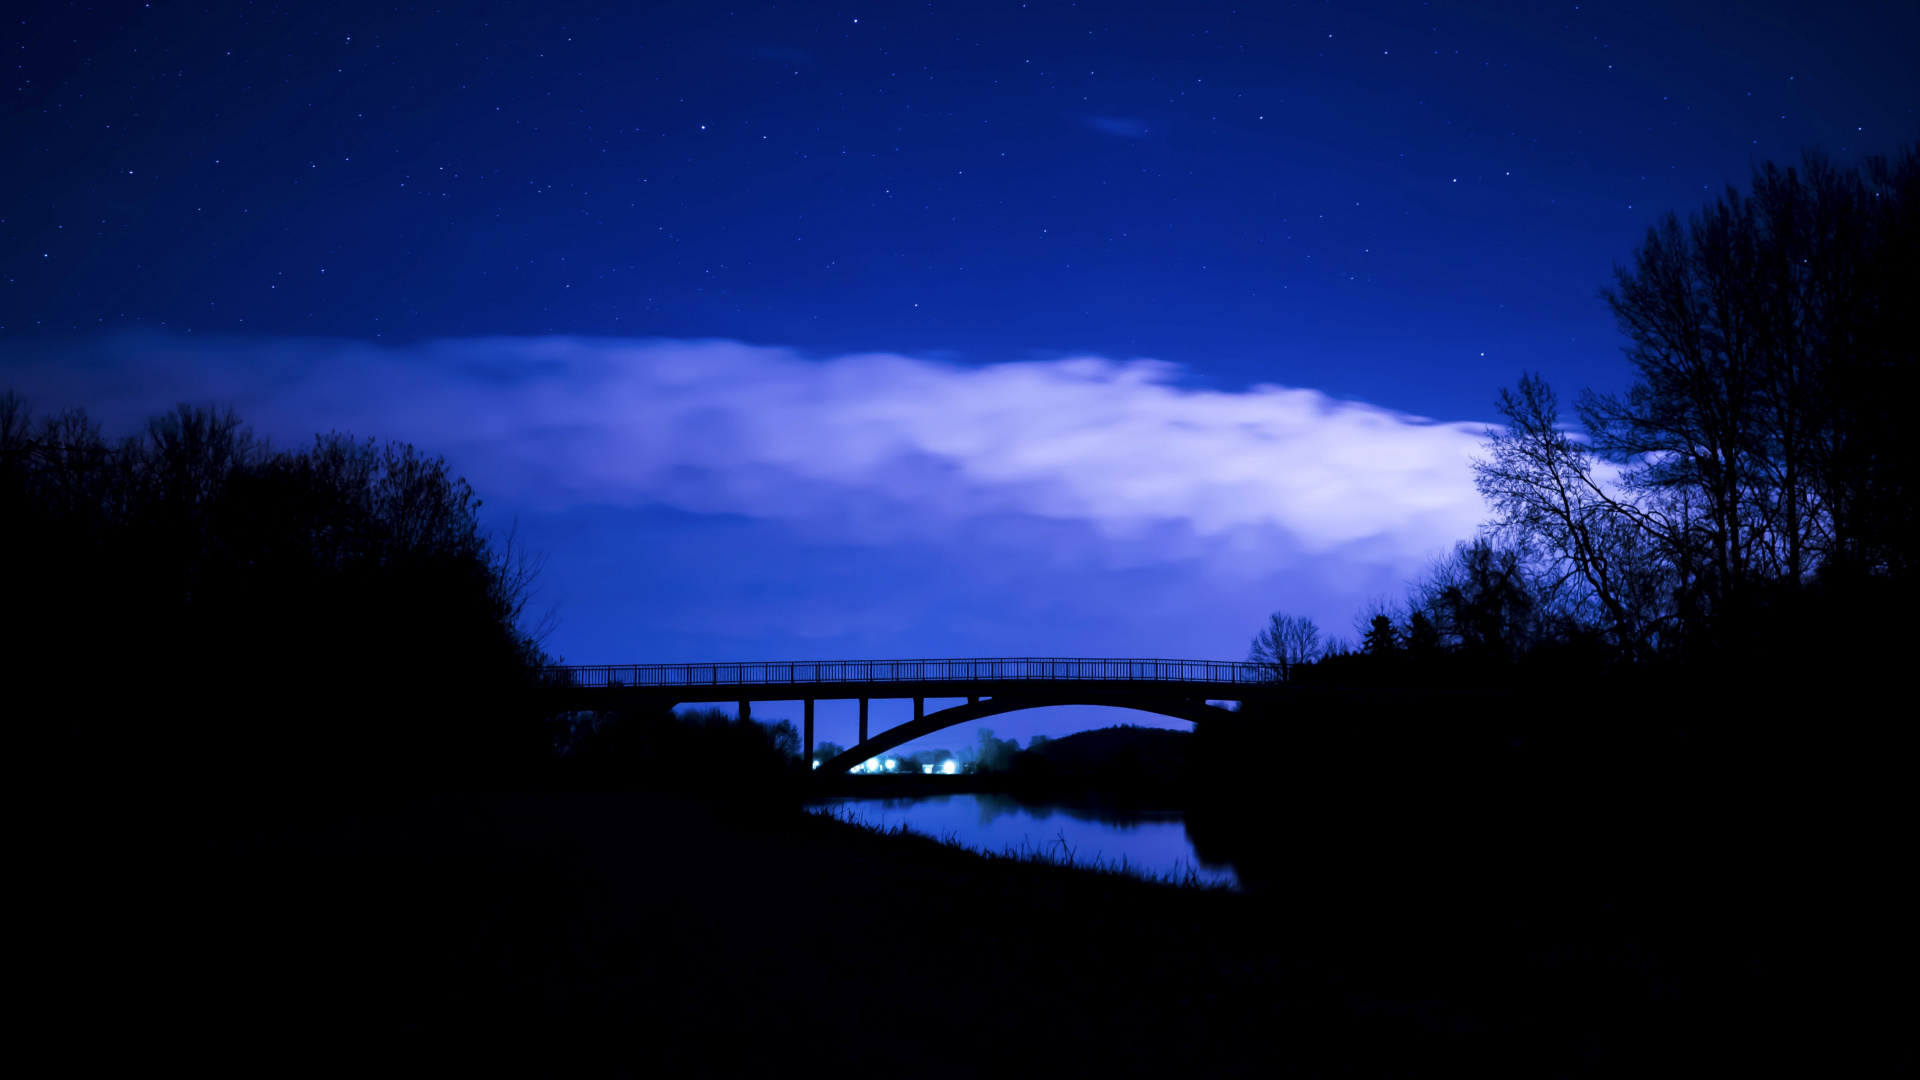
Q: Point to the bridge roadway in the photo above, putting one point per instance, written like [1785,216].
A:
[1177,688]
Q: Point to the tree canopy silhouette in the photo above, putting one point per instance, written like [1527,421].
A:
[1760,450]
[189,600]
[1284,644]
[1752,483]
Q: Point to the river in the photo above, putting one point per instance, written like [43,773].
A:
[1153,843]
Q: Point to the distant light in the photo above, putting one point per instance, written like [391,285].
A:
[926,768]
[816,763]
[873,765]
[950,768]
[891,763]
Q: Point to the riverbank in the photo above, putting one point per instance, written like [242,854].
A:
[1393,933]
[633,933]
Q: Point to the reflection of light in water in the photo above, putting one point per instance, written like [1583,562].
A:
[1152,842]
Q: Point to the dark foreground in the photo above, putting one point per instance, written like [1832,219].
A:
[630,933]
[627,933]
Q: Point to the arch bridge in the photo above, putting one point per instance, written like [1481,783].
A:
[1178,688]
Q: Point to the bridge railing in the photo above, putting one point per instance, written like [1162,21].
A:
[803,673]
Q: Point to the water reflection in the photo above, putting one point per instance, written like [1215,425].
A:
[1152,842]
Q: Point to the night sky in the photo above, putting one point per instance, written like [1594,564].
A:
[886,330]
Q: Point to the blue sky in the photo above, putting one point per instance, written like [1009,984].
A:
[792,331]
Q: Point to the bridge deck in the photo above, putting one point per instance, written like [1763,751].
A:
[792,680]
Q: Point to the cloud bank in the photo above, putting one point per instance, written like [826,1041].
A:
[1104,499]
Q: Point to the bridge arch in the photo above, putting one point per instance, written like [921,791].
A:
[1178,708]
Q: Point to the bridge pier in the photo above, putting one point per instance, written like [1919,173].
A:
[863,719]
[808,755]
[746,711]
[919,709]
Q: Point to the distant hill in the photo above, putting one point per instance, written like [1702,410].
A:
[1125,751]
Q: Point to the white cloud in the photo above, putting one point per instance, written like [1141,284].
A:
[1226,488]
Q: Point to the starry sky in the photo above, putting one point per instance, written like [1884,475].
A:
[798,330]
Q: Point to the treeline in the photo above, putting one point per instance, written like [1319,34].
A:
[1747,503]
[189,605]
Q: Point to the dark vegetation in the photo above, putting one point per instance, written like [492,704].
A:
[634,933]
[1676,881]
[743,765]
[192,609]
[1745,511]
[1645,729]
[1615,790]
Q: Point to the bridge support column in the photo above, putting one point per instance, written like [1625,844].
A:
[746,711]
[919,708]
[863,721]
[809,734]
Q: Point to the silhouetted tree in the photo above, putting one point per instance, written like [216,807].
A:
[988,754]
[1758,331]
[1761,445]
[1423,638]
[1382,638]
[1481,601]
[1606,556]
[1286,642]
